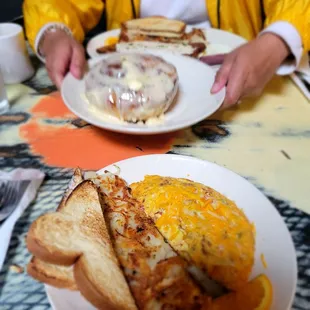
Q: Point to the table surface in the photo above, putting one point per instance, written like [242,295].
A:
[265,140]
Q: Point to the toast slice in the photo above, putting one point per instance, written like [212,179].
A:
[192,50]
[155,26]
[77,235]
[55,275]
[76,179]
[157,276]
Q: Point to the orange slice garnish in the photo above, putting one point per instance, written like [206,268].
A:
[255,295]
[111,41]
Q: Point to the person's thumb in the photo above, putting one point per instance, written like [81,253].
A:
[58,66]
[77,64]
[222,75]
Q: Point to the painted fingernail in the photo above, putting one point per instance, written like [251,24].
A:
[215,87]
[76,72]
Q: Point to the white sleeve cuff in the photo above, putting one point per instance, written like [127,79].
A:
[289,34]
[41,34]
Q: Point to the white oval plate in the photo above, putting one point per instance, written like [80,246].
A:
[194,101]
[272,236]
[273,239]
[219,41]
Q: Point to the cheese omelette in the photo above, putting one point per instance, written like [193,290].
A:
[203,226]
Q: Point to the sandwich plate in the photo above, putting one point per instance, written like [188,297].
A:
[193,103]
[219,41]
[272,237]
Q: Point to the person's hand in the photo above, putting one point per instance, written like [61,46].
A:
[62,54]
[246,70]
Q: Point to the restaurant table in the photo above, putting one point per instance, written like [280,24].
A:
[267,141]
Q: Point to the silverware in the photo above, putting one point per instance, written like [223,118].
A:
[301,83]
[305,79]
[10,194]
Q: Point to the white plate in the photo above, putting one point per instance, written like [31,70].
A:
[193,103]
[219,41]
[272,237]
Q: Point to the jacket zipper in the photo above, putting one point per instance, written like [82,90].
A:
[219,14]
[133,9]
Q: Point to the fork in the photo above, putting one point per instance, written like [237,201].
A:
[10,194]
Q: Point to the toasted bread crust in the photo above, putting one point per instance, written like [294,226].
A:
[77,234]
[57,276]
[76,179]
[154,25]
[98,298]
[44,250]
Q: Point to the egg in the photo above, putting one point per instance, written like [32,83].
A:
[202,225]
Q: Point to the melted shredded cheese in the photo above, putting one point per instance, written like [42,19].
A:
[201,224]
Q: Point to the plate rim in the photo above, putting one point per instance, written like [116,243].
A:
[140,130]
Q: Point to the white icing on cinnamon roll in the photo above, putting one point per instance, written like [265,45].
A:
[132,87]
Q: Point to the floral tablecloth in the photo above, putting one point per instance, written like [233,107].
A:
[266,140]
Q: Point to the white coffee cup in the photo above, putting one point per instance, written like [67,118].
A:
[14,59]
[4,103]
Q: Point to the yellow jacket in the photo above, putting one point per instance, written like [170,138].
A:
[244,17]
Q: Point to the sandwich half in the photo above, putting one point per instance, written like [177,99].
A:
[155,26]
[158,33]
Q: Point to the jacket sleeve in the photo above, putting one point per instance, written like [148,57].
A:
[79,16]
[296,12]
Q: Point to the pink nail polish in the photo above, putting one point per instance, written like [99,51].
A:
[214,88]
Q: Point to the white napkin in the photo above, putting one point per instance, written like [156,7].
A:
[6,228]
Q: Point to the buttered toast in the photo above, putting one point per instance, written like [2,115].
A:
[77,235]
[56,275]
[101,242]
